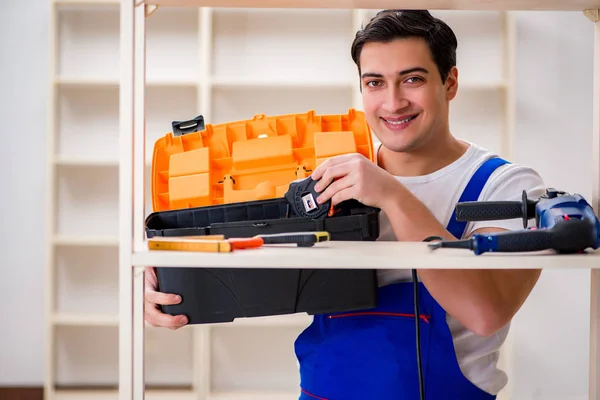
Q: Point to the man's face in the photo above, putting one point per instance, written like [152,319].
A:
[405,101]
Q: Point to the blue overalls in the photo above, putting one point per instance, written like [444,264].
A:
[371,354]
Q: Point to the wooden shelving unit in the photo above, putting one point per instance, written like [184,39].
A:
[196,63]
[134,256]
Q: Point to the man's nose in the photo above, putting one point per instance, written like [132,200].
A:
[395,100]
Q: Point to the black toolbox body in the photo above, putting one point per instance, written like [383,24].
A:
[212,295]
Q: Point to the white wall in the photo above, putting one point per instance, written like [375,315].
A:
[23,88]
[554,113]
[554,128]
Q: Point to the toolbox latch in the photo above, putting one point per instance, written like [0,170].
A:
[181,128]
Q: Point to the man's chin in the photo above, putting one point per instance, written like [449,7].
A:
[400,146]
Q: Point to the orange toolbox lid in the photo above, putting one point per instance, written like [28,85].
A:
[249,160]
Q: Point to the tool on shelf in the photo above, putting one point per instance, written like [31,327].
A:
[564,222]
[219,244]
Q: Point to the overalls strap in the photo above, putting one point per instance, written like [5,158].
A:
[473,191]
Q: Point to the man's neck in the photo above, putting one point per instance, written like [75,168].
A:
[423,161]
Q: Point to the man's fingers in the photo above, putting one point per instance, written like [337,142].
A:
[332,173]
[343,195]
[156,318]
[150,275]
[330,162]
[162,298]
[334,188]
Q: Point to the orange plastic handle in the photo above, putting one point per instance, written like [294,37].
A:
[245,243]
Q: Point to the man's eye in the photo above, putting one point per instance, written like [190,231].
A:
[373,83]
[414,79]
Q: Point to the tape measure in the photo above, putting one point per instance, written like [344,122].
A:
[218,243]
[302,196]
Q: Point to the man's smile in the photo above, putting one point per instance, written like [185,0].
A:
[399,123]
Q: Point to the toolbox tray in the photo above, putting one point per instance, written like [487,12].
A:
[230,179]
[211,295]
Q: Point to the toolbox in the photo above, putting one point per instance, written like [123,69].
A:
[234,180]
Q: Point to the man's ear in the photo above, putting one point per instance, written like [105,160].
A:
[451,84]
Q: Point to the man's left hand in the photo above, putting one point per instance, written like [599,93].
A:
[353,176]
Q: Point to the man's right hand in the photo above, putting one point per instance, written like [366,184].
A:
[153,299]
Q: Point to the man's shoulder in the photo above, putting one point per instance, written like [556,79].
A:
[509,172]
[507,183]
[509,180]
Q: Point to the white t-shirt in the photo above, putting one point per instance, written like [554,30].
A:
[440,191]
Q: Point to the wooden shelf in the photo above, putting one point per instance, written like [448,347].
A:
[360,255]
[86,2]
[174,394]
[113,394]
[264,82]
[562,5]
[199,63]
[249,395]
[293,320]
[77,240]
[75,161]
[99,81]
[69,319]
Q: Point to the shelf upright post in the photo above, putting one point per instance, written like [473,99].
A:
[201,334]
[131,199]
[50,348]
[141,11]
[125,199]
[594,391]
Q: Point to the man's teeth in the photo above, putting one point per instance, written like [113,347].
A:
[399,122]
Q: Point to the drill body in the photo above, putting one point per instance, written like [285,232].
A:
[555,207]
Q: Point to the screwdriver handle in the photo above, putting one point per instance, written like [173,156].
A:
[302,239]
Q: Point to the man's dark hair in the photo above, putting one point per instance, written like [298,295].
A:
[388,25]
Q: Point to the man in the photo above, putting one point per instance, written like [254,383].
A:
[407,66]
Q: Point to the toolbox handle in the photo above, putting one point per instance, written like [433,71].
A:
[189,126]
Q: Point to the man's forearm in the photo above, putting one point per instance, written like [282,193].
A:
[482,300]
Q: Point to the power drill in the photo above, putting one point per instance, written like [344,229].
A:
[564,222]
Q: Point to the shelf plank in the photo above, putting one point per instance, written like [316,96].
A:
[258,82]
[86,2]
[557,5]
[112,394]
[86,81]
[70,319]
[361,255]
[254,395]
[76,161]
[104,241]
[173,394]
[101,81]
[278,321]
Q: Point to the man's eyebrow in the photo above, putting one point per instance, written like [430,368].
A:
[371,75]
[406,71]
[415,69]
